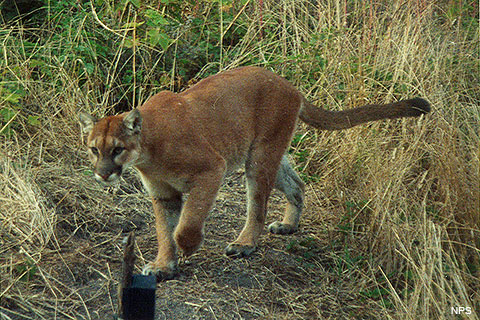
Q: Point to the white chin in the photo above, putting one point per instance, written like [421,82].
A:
[114,177]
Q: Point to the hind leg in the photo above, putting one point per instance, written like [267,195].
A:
[293,187]
[260,173]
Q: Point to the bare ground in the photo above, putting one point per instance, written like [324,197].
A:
[289,277]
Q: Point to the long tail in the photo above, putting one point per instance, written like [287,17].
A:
[337,120]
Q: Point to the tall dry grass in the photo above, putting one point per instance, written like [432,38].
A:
[401,197]
[416,180]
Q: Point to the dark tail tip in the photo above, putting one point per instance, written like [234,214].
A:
[419,106]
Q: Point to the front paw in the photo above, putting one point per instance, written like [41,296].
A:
[162,273]
[188,239]
[236,250]
[281,228]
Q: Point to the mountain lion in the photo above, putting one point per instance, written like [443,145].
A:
[188,142]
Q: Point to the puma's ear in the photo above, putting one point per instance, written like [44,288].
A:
[133,121]
[86,121]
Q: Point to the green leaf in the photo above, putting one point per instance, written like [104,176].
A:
[11,97]
[128,43]
[164,41]
[153,36]
[135,3]
[89,67]
[27,269]
[7,131]
[155,17]
[36,63]
[133,24]
[156,37]
[6,114]
[33,120]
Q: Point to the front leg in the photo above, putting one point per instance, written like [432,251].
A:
[167,211]
[189,232]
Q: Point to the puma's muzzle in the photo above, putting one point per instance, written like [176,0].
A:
[107,171]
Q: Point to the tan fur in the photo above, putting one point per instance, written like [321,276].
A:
[188,142]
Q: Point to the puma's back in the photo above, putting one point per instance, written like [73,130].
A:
[234,108]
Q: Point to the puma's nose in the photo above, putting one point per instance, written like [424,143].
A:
[105,176]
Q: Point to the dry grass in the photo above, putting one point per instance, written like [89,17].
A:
[392,225]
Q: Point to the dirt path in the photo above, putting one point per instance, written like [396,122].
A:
[288,277]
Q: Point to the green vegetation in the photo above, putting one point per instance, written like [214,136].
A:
[396,203]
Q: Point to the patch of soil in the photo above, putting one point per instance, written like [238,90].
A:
[288,277]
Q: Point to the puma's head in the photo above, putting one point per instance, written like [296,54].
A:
[113,143]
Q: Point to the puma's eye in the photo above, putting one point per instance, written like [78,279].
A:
[117,151]
[94,151]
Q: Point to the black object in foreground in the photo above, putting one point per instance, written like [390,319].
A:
[138,299]
[136,293]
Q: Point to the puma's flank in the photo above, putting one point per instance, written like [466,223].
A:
[187,143]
